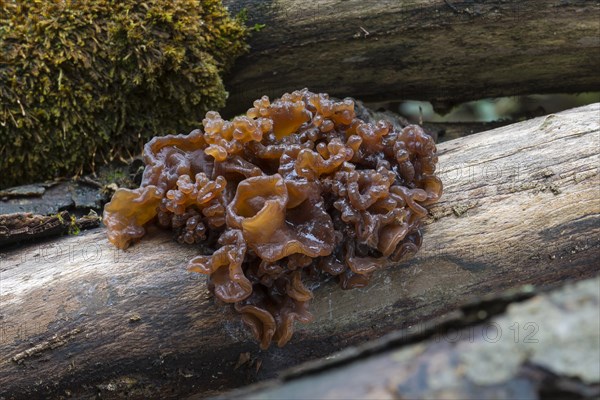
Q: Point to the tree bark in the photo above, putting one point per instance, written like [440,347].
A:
[509,355]
[443,51]
[521,206]
[21,227]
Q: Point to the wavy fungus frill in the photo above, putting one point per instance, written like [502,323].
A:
[297,189]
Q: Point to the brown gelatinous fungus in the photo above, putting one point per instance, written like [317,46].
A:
[297,189]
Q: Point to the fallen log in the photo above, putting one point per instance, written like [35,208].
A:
[442,51]
[525,351]
[78,317]
[21,227]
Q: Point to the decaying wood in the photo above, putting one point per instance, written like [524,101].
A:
[521,206]
[78,197]
[524,352]
[435,50]
[19,227]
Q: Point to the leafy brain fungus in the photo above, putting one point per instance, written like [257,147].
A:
[296,190]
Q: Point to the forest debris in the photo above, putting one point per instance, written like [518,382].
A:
[244,358]
[34,190]
[19,227]
[135,318]
[52,343]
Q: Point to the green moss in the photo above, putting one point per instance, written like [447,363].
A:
[86,81]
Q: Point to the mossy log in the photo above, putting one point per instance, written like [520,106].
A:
[78,317]
[444,51]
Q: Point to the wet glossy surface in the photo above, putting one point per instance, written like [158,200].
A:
[291,193]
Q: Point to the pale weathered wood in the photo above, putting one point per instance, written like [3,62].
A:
[518,350]
[521,205]
[445,51]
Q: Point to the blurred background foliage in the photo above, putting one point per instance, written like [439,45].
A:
[87,81]
[451,122]
[508,109]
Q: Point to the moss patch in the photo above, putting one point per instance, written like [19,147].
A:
[83,82]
